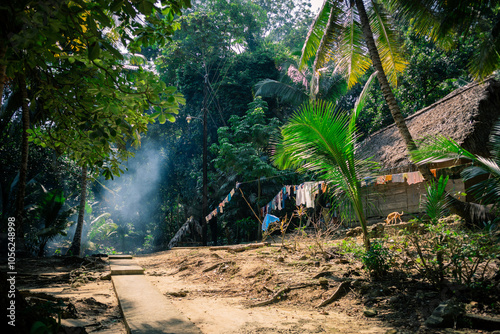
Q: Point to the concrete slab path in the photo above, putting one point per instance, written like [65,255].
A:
[125,267]
[144,308]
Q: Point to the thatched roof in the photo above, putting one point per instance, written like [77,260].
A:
[465,115]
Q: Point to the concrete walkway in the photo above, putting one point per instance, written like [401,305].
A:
[144,308]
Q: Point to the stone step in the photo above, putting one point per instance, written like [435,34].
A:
[119,256]
[125,267]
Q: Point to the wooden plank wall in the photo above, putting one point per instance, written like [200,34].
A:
[382,199]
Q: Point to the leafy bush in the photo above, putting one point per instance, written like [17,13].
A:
[447,253]
[376,259]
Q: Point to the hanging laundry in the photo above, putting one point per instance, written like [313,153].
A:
[433,171]
[388,178]
[381,179]
[310,190]
[398,178]
[232,192]
[300,195]
[268,219]
[369,180]
[414,177]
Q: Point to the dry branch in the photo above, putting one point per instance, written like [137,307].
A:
[190,225]
[323,274]
[277,296]
[217,265]
[240,248]
[340,292]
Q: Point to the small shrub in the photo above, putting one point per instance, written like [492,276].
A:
[447,254]
[350,247]
[376,260]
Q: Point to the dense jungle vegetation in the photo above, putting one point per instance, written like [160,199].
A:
[102,109]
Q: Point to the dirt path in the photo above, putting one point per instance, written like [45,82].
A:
[219,300]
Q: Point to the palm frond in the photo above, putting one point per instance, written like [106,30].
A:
[419,13]
[438,149]
[486,57]
[351,56]
[319,139]
[388,45]
[286,93]
[316,32]
[436,203]
[329,39]
[358,106]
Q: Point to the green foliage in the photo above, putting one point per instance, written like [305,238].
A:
[336,35]
[430,75]
[349,246]
[243,145]
[485,191]
[321,139]
[376,259]
[443,20]
[435,203]
[451,254]
[47,219]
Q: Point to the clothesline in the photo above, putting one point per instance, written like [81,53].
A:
[304,195]
[220,207]
[307,191]
[409,177]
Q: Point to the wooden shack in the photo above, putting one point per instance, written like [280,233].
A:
[465,115]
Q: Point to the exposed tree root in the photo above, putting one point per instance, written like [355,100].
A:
[240,248]
[339,293]
[217,265]
[281,293]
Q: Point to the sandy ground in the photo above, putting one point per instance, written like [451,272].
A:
[219,289]
[81,286]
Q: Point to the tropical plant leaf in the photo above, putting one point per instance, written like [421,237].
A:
[328,42]
[486,57]
[388,45]
[316,32]
[286,93]
[352,58]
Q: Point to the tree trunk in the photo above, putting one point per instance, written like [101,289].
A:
[387,91]
[457,207]
[75,248]
[23,170]
[3,69]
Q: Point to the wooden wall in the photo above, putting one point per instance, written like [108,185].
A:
[382,199]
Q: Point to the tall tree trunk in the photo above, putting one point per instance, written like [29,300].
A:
[75,248]
[386,89]
[3,69]
[457,206]
[23,170]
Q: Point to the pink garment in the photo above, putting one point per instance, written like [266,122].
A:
[414,177]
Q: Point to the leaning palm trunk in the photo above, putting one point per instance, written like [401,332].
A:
[386,89]
[457,206]
[75,248]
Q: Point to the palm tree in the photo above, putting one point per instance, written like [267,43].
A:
[296,86]
[346,34]
[320,138]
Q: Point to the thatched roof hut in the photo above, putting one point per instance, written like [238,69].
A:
[465,115]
